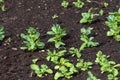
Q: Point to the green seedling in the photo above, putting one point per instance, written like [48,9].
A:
[114,25]
[107,66]
[101,12]
[87,17]
[32,40]
[106,4]
[54,56]
[2,33]
[91,76]
[84,65]
[55,16]
[58,35]
[75,52]
[66,69]
[78,4]
[88,41]
[41,71]
[64,3]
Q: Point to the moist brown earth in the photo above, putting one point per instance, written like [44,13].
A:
[22,14]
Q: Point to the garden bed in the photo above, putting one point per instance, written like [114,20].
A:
[22,14]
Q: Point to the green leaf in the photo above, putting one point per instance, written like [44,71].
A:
[50,33]
[51,39]
[34,60]
[58,44]
[1,0]
[49,71]
[58,75]
[110,33]
[57,67]
[35,67]
[3,8]
[117,66]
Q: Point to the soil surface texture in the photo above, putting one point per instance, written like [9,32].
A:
[22,14]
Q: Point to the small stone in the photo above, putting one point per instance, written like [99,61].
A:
[42,51]
[15,49]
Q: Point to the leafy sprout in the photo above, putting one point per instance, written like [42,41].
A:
[41,71]
[78,4]
[54,16]
[64,3]
[87,17]
[106,4]
[75,52]
[88,41]
[114,25]
[32,40]
[54,56]
[58,34]
[107,66]
[66,69]
[84,65]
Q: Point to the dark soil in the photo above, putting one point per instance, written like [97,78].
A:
[21,14]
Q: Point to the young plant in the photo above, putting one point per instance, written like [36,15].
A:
[54,56]
[106,4]
[64,3]
[54,16]
[78,4]
[101,12]
[2,33]
[32,40]
[87,17]
[66,69]
[114,24]
[43,70]
[58,35]
[88,41]
[75,52]
[84,65]
[91,76]
[107,66]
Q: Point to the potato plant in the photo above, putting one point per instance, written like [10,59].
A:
[107,66]
[84,65]
[41,71]
[87,17]
[114,25]
[65,69]
[88,41]
[32,40]
[78,4]
[54,56]
[64,3]
[58,34]
[75,52]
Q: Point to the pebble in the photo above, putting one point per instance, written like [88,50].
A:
[14,49]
